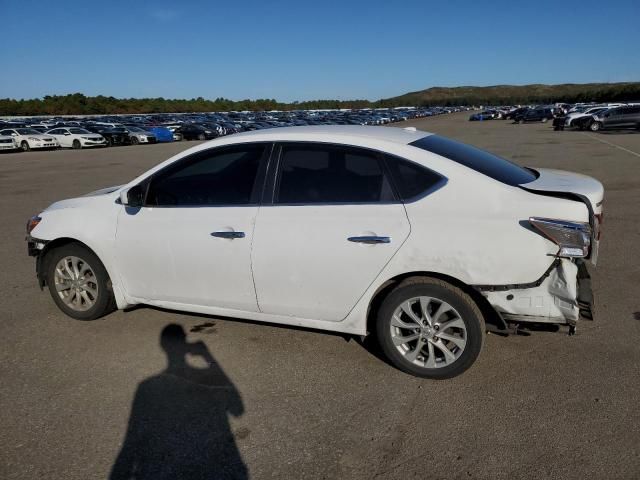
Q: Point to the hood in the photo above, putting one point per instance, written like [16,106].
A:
[102,191]
[559,181]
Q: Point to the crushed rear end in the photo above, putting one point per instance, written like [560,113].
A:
[563,294]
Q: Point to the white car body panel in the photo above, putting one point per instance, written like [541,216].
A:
[307,256]
[305,271]
[7,143]
[194,267]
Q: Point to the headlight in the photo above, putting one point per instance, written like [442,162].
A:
[573,238]
[86,138]
[32,223]
[207,131]
[34,139]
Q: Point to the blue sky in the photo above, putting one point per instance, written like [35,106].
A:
[301,50]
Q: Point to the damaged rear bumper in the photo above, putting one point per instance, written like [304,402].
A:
[561,296]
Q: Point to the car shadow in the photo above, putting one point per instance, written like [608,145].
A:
[179,422]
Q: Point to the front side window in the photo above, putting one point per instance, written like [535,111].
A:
[481,161]
[316,173]
[222,176]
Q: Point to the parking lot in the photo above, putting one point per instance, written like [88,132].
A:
[292,403]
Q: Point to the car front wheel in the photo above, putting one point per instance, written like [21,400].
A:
[595,126]
[430,328]
[25,146]
[79,283]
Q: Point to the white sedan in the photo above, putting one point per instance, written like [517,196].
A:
[406,235]
[29,138]
[75,137]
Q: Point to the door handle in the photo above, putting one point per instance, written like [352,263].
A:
[230,235]
[370,239]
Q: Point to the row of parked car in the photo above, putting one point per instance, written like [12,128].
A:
[592,117]
[106,131]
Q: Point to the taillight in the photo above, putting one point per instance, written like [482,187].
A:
[32,223]
[573,238]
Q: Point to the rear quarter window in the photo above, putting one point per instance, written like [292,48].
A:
[481,161]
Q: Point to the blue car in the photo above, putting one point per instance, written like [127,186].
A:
[162,134]
[486,115]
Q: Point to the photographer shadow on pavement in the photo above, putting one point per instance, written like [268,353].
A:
[179,426]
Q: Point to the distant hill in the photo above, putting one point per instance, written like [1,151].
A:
[79,104]
[519,94]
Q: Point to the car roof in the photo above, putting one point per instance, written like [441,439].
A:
[402,136]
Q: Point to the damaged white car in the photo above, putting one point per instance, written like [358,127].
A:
[412,237]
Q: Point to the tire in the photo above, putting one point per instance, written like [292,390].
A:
[202,137]
[468,331]
[25,146]
[92,276]
[595,126]
[545,120]
[108,141]
[556,128]
[134,141]
[521,122]
[76,144]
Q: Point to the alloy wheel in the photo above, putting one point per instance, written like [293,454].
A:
[76,283]
[428,332]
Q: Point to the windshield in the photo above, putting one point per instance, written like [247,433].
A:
[80,131]
[27,131]
[483,162]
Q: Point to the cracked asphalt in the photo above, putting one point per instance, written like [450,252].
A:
[236,399]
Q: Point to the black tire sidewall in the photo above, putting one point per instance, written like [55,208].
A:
[461,302]
[76,144]
[105,303]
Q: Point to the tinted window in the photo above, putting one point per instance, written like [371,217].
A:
[331,174]
[410,179]
[484,162]
[216,177]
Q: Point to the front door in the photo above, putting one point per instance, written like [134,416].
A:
[333,225]
[191,242]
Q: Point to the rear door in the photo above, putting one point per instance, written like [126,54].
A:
[330,226]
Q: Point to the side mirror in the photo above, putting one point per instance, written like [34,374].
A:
[133,197]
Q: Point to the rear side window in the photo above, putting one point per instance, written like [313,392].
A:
[481,161]
[224,176]
[316,173]
[411,180]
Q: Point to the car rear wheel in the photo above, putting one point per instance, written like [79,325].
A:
[595,126]
[430,328]
[76,144]
[79,283]
[25,146]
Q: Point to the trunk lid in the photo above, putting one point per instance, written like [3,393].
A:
[585,188]
[559,181]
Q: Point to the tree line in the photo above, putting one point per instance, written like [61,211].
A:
[80,104]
